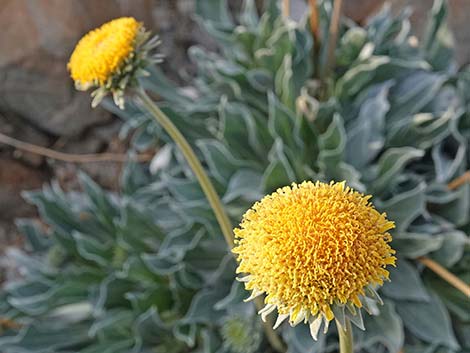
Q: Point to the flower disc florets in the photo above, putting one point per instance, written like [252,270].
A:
[316,250]
[111,58]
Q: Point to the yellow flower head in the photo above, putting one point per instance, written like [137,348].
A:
[110,58]
[316,250]
[102,51]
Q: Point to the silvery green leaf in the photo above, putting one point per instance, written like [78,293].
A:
[281,122]
[405,283]
[137,230]
[284,84]
[111,293]
[249,16]
[332,144]
[350,45]
[145,327]
[30,265]
[300,341]
[237,295]
[210,341]
[214,10]
[279,172]
[110,347]
[161,266]
[413,93]
[429,321]
[186,333]
[36,240]
[359,75]
[55,296]
[452,247]
[455,206]
[414,245]
[439,41]
[366,136]
[423,130]
[405,207]
[449,157]
[221,161]
[260,79]
[392,163]
[244,183]
[386,328]
[238,124]
[115,320]
[93,250]
[356,319]
[42,339]
[201,309]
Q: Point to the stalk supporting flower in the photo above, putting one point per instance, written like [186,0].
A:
[346,343]
[193,162]
[111,59]
[318,251]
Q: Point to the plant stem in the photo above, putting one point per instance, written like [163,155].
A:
[332,38]
[447,276]
[193,161]
[286,8]
[460,181]
[315,28]
[209,191]
[346,344]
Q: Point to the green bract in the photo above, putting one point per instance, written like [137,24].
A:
[147,270]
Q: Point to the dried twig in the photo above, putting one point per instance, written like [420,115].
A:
[458,182]
[286,8]
[9,324]
[315,28]
[433,265]
[67,157]
[332,38]
[446,275]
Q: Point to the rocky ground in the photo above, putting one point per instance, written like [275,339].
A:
[38,103]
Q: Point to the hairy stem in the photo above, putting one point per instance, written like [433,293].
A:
[207,187]
[193,161]
[346,343]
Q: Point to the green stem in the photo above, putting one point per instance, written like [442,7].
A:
[208,189]
[193,161]
[346,342]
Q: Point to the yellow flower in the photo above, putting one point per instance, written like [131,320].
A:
[111,58]
[101,52]
[316,250]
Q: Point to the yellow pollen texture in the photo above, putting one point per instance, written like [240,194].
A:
[311,245]
[101,52]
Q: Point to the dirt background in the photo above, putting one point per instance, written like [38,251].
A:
[39,105]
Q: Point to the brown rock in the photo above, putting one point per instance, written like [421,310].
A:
[459,11]
[36,40]
[14,178]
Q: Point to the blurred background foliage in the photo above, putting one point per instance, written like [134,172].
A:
[144,268]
